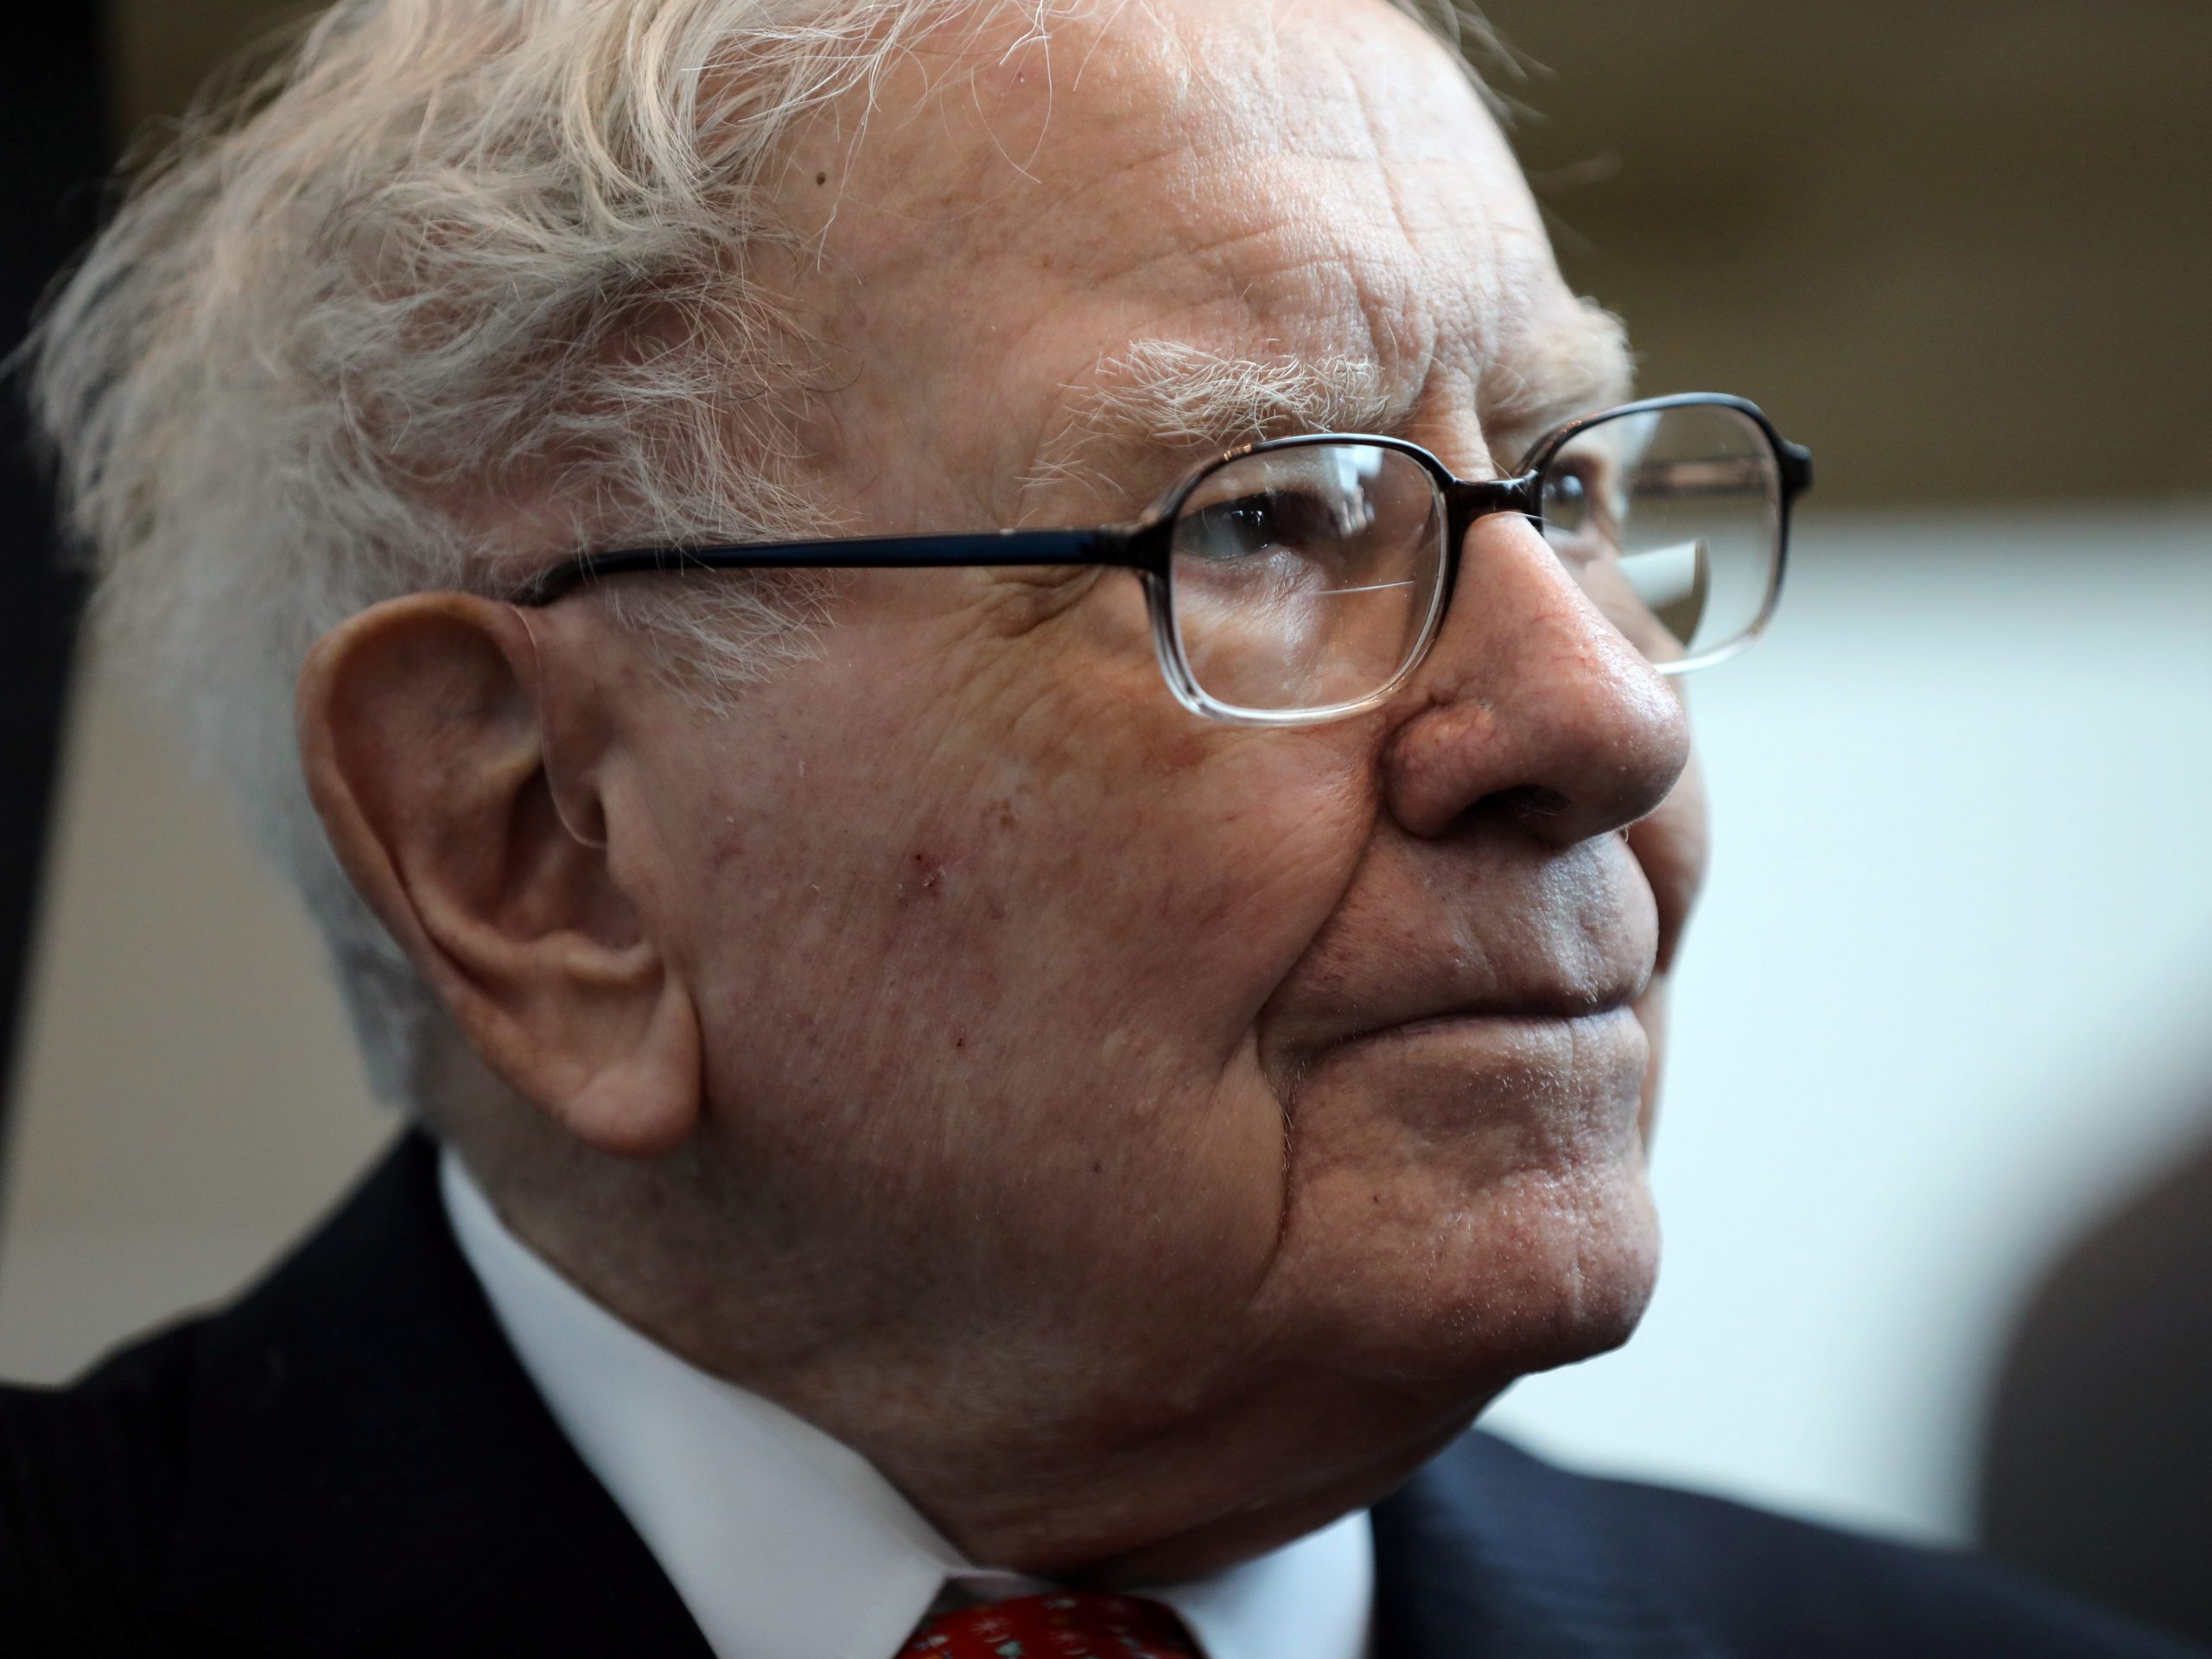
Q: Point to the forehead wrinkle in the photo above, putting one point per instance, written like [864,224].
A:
[1168,238]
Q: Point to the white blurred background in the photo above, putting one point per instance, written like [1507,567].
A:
[1949,1000]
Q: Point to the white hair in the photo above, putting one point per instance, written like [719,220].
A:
[444,255]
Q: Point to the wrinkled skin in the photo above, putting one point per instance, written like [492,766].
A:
[1145,1138]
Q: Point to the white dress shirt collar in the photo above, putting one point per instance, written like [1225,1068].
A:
[784,1544]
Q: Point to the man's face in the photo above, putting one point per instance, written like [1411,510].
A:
[1115,1072]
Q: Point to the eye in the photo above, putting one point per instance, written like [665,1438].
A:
[1567,494]
[1263,522]
[1577,503]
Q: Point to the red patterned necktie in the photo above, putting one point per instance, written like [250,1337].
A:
[1074,1624]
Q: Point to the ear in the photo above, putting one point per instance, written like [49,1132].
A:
[423,726]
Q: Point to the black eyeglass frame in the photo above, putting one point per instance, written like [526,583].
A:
[1146,545]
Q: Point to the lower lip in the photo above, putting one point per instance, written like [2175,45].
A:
[1507,1065]
[1604,1027]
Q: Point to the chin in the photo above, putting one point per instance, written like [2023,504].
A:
[1473,1206]
[1536,1271]
[1569,1272]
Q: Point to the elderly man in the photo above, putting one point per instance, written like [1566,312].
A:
[985,729]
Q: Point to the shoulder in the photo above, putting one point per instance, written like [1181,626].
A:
[89,1478]
[1763,1583]
[341,1460]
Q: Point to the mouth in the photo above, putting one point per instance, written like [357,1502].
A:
[1515,1090]
[1562,948]
[1592,1011]
[1600,1023]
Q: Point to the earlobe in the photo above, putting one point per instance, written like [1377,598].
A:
[423,726]
[625,1107]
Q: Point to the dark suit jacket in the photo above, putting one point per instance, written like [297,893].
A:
[351,1461]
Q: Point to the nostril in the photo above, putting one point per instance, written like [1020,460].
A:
[1525,803]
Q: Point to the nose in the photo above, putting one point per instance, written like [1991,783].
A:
[1531,705]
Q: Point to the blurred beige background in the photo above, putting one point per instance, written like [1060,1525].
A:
[1962,247]
[1943,1006]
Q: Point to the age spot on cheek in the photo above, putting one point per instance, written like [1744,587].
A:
[1170,750]
[925,877]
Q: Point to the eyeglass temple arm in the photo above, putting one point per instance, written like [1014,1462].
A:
[1111,544]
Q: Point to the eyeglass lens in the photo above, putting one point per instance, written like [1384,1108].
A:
[1308,579]
[1671,521]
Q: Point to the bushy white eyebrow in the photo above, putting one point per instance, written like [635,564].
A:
[1180,396]
[1175,396]
[1173,399]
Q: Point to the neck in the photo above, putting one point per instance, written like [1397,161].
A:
[1019,1458]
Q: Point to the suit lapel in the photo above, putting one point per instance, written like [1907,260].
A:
[368,1470]
[1489,1554]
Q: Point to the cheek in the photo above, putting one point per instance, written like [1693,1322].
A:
[1004,958]
[1181,870]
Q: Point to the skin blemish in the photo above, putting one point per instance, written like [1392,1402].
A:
[925,876]
[822,178]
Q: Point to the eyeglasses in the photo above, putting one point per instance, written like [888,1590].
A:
[1304,579]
